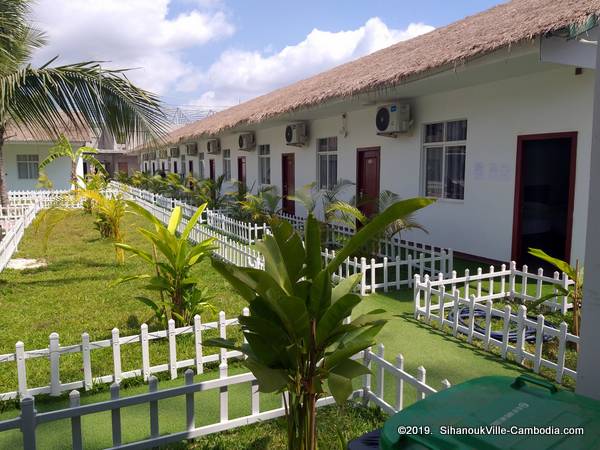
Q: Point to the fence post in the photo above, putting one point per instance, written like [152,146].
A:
[363,279]
[366,377]
[28,423]
[172,349]
[145,351]
[190,415]
[54,365]
[399,383]
[115,416]
[87,361]
[521,315]
[562,344]
[421,376]
[153,387]
[417,295]
[505,330]
[511,280]
[21,368]
[76,437]
[223,390]
[198,344]
[116,347]
[539,339]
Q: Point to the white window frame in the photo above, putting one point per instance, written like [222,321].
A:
[227,164]
[444,144]
[329,184]
[263,180]
[32,166]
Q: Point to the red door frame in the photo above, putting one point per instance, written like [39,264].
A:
[516,243]
[211,169]
[288,206]
[359,154]
[241,168]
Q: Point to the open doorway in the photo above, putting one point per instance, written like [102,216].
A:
[544,196]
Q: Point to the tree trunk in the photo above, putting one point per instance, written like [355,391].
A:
[3,184]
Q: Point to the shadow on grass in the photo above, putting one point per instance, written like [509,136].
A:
[462,343]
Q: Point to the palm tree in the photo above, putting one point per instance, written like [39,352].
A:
[46,100]
[63,149]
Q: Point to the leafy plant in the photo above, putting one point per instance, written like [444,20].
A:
[92,182]
[47,100]
[297,338]
[109,211]
[63,149]
[180,296]
[573,292]
[45,223]
[350,215]
[211,193]
[262,206]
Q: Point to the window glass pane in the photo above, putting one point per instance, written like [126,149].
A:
[267,170]
[434,132]
[433,171]
[332,144]
[456,130]
[322,145]
[22,169]
[455,172]
[332,172]
[322,172]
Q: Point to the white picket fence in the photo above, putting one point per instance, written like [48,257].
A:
[30,419]
[465,305]
[246,232]
[87,349]
[14,220]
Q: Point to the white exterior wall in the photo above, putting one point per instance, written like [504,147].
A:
[59,171]
[497,112]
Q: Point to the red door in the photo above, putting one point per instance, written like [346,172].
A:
[288,182]
[123,167]
[367,177]
[211,167]
[241,163]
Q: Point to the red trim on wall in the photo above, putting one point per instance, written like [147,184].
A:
[518,184]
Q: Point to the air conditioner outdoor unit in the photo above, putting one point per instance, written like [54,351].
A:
[393,119]
[213,146]
[296,134]
[191,149]
[174,152]
[247,141]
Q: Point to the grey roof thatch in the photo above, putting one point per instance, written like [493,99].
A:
[503,25]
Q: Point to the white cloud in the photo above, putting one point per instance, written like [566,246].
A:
[131,34]
[239,75]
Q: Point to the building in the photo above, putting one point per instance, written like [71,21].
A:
[490,114]
[24,151]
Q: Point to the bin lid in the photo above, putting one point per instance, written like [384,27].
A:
[472,415]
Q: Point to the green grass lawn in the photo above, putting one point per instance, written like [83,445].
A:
[75,294]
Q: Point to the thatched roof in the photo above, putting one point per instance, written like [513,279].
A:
[501,26]
[72,133]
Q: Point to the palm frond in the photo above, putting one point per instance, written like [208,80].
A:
[84,95]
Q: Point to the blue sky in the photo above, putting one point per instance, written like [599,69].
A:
[221,52]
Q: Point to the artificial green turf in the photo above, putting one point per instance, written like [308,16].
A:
[75,294]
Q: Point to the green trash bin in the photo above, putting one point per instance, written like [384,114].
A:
[497,413]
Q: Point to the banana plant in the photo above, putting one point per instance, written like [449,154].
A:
[171,261]
[298,341]
[573,292]
[262,206]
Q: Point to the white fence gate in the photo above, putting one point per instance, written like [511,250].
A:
[465,305]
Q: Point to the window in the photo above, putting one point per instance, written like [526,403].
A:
[264,164]
[28,167]
[201,165]
[327,162]
[444,147]
[227,164]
